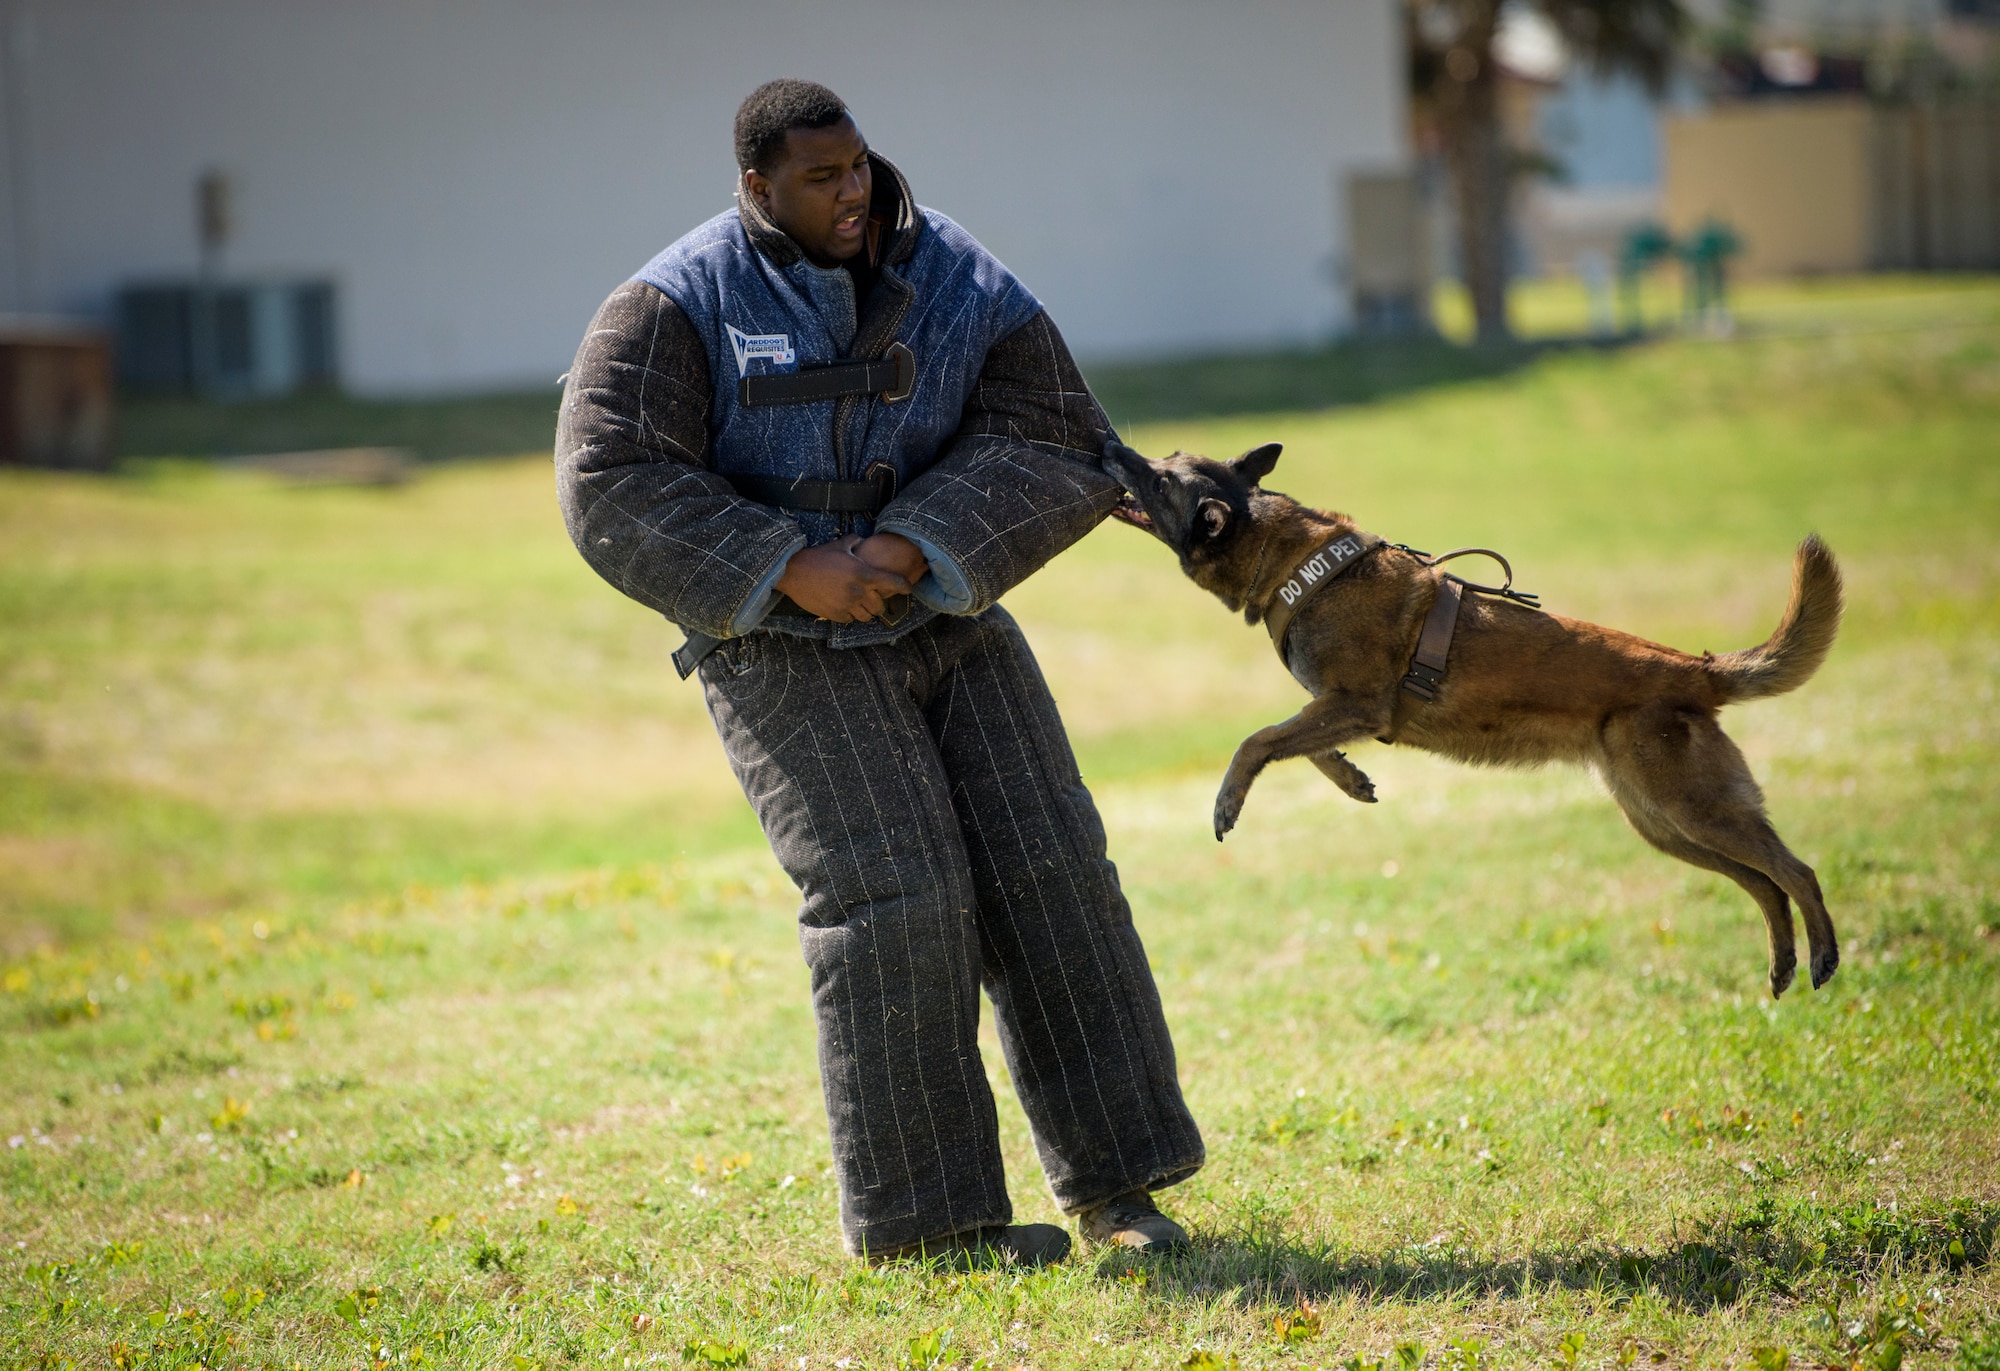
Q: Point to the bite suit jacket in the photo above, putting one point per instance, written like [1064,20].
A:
[995,451]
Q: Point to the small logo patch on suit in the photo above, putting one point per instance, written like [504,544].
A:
[773,347]
[1322,564]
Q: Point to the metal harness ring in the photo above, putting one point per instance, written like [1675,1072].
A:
[1505,591]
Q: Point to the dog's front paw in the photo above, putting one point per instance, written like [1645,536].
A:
[1228,808]
[1351,779]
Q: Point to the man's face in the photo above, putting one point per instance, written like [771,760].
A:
[818,192]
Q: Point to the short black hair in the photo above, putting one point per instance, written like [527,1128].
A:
[775,109]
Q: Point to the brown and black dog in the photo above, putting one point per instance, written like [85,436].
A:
[1521,687]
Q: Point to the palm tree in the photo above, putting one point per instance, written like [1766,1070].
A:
[1455,84]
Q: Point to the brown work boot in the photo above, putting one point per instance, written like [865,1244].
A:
[1021,1244]
[1132,1220]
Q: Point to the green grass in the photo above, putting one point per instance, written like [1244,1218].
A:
[392,976]
[430,429]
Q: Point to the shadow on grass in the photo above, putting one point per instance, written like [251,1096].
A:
[1250,1271]
[1346,373]
[1770,1247]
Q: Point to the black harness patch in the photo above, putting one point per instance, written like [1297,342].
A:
[1320,568]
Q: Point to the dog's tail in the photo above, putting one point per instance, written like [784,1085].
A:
[1788,658]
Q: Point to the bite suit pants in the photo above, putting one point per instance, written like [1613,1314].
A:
[923,796]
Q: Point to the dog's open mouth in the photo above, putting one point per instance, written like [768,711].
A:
[1129,511]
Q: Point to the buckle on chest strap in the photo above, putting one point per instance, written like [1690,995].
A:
[892,379]
[1426,671]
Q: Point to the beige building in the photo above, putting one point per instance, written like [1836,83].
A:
[1840,184]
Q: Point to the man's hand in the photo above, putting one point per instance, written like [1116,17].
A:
[832,582]
[894,552]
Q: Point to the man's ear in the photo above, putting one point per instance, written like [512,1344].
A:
[1211,517]
[1254,465]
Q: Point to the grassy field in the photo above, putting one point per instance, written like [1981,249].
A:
[391,976]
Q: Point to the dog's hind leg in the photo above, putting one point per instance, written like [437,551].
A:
[1770,899]
[1694,785]
[1350,778]
[1749,838]
[1316,731]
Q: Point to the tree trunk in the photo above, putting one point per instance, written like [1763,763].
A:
[1478,165]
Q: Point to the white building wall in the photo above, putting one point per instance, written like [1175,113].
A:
[479,174]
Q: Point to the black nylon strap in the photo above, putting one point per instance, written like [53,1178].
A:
[892,378]
[821,497]
[689,654]
[817,383]
[816,497]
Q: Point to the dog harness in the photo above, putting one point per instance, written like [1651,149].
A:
[1427,664]
[1319,569]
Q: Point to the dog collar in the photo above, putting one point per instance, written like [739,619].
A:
[1318,568]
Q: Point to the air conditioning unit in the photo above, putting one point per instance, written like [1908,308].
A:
[227,339]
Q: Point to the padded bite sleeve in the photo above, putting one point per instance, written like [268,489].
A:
[632,473]
[1018,482]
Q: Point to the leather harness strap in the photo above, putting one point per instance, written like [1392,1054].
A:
[1434,643]
[892,378]
[1427,666]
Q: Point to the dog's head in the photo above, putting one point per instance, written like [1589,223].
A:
[1194,505]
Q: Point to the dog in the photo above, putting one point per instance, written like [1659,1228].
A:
[1519,687]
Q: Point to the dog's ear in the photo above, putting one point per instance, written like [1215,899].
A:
[1254,465]
[1211,517]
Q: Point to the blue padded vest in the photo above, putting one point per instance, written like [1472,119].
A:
[757,318]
